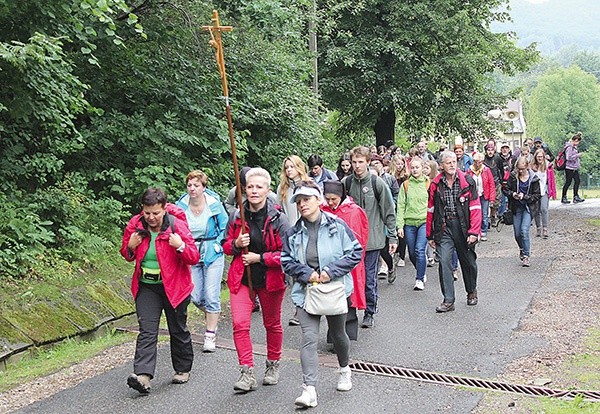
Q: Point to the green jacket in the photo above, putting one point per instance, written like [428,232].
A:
[412,202]
[379,206]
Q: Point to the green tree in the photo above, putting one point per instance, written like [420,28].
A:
[418,63]
[563,102]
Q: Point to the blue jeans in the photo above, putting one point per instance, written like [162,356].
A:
[485,222]
[503,205]
[416,241]
[521,226]
[371,268]
[207,285]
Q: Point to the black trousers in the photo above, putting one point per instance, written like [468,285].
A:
[454,240]
[571,175]
[150,302]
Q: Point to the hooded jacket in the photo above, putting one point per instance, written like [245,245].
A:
[339,253]
[275,226]
[356,218]
[380,209]
[174,266]
[210,242]
[532,197]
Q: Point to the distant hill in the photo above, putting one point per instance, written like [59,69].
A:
[555,24]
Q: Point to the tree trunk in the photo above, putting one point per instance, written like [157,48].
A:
[384,127]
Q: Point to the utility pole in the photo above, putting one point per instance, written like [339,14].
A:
[312,45]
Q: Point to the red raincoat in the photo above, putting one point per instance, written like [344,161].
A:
[356,218]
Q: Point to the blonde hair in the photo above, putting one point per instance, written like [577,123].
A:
[284,183]
[478,156]
[433,165]
[398,174]
[538,166]
[259,172]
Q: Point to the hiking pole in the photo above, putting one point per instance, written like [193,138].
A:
[215,41]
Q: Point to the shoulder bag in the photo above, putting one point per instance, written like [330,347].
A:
[326,298]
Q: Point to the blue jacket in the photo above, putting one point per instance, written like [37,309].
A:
[339,253]
[210,243]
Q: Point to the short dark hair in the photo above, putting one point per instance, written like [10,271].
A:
[153,196]
[314,160]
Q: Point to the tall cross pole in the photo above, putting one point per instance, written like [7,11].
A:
[215,41]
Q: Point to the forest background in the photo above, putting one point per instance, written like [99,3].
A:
[101,99]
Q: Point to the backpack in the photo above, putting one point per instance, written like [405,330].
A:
[561,160]
[405,184]
[373,181]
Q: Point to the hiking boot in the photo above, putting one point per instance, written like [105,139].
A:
[345,379]
[472,298]
[565,200]
[140,383]
[271,373]
[391,276]
[578,199]
[525,261]
[445,307]
[367,321]
[308,397]
[210,342]
[247,381]
[544,233]
[494,222]
[181,378]
[419,285]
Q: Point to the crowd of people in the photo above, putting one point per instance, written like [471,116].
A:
[348,228]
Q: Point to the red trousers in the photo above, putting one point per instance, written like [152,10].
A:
[241,315]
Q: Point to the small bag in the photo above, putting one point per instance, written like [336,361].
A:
[507,217]
[326,298]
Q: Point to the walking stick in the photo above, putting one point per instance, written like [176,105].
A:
[215,41]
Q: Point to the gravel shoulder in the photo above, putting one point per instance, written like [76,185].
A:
[562,311]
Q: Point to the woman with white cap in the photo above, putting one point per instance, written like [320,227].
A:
[320,248]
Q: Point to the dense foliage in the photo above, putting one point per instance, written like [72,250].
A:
[94,108]
[422,64]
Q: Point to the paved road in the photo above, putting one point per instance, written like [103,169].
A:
[472,341]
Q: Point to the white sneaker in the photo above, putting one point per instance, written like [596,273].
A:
[400,263]
[419,285]
[210,342]
[345,379]
[383,269]
[308,397]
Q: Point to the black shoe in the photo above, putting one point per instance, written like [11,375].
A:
[565,200]
[367,321]
[472,298]
[578,199]
[391,276]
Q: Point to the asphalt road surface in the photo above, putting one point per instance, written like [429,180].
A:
[474,341]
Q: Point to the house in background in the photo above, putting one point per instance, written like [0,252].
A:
[511,126]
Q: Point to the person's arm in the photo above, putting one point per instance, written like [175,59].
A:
[290,263]
[352,253]
[388,212]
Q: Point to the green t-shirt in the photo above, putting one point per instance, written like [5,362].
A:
[150,265]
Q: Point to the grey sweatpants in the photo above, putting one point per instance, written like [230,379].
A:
[310,338]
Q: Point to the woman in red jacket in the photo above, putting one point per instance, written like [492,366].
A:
[163,249]
[486,188]
[256,253]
